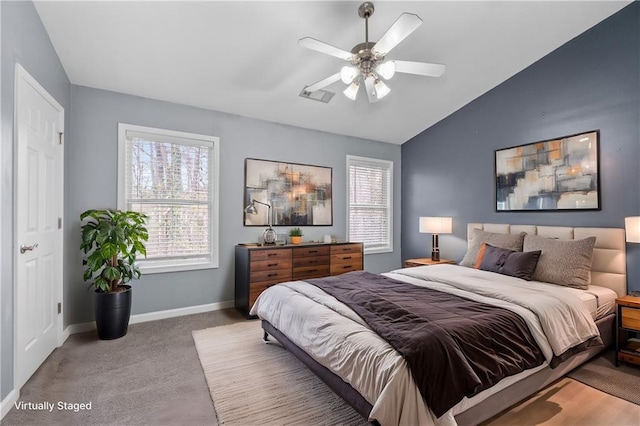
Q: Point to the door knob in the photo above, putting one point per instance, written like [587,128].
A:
[25,248]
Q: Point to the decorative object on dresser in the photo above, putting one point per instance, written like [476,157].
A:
[426,261]
[296,235]
[435,226]
[299,194]
[269,236]
[556,174]
[628,348]
[258,268]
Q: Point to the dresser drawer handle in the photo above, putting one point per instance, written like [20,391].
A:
[346,267]
[313,270]
[313,251]
[272,264]
[272,254]
[272,275]
[347,257]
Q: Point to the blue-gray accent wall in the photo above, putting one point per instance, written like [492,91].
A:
[24,41]
[592,82]
[92,175]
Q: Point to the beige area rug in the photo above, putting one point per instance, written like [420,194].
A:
[253,383]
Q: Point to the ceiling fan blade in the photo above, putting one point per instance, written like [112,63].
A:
[420,68]
[322,47]
[371,91]
[404,25]
[323,83]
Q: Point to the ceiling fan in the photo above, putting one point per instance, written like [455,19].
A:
[368,60]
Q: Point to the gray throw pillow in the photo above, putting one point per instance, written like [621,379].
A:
[562,262]
[506,241]
[508,262]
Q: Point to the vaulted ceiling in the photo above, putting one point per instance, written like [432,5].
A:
[243,58]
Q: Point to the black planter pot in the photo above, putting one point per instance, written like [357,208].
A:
[112,312]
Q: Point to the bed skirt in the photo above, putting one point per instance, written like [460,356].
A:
[484,410]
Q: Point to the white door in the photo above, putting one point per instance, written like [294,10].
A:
[39,119]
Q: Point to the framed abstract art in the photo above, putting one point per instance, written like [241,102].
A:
[554,175]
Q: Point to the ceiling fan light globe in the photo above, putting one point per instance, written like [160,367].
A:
[381,89]
[351,92]
[386,69]
[348,74]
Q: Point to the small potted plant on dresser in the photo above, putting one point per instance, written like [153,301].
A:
[111,240]
[296,235]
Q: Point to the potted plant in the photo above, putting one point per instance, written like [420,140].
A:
[296,235]
[111,240]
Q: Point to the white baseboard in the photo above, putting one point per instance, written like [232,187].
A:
[7,403]
[154,316]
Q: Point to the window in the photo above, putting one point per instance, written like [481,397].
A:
[172,177]
[369,203]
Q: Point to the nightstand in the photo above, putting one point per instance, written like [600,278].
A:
[628,320]
[426,261]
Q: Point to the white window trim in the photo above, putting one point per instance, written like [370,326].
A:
[356,159]
[156,267]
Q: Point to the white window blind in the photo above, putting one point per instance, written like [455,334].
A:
[172,178]
[369,203]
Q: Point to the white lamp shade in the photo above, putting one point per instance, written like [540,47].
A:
[382,89]
[435,225]
[348,74]
[351,92]
[632,228]
[386,69]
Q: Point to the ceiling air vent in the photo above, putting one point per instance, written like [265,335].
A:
[318,95]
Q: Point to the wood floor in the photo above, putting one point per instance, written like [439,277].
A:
[569,402]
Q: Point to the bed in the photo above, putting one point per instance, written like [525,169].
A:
[370,374]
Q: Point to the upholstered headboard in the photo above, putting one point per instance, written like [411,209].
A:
[609,266]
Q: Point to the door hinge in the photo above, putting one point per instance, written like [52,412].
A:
[59,223]
[61,139]
[59,307]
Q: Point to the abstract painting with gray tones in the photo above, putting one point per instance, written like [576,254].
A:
[299,194]
[558,174]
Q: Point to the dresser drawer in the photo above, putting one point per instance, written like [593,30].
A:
[305,272]
[341,268]
[310,261]
[346,248]
[257,288]
[346,258]
[277,275]
[268,265]
[310,251]
[630,318]
[270,254]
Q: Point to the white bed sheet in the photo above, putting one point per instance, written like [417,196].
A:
[600,301]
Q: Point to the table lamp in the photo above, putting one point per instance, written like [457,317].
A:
[269,236]
[435,226]
[632,229]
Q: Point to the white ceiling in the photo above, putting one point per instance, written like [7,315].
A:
[243,58]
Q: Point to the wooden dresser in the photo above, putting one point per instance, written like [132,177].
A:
[260,267]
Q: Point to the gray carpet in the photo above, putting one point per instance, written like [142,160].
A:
[601,373]
[151,376]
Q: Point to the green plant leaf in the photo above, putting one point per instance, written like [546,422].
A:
[108,250]
[110,233]
[95,261]
[111,273]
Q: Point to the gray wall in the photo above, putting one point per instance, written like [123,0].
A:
[25,41]
[592,82]
[91,176]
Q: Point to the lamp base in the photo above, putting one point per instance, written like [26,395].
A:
[435,255]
